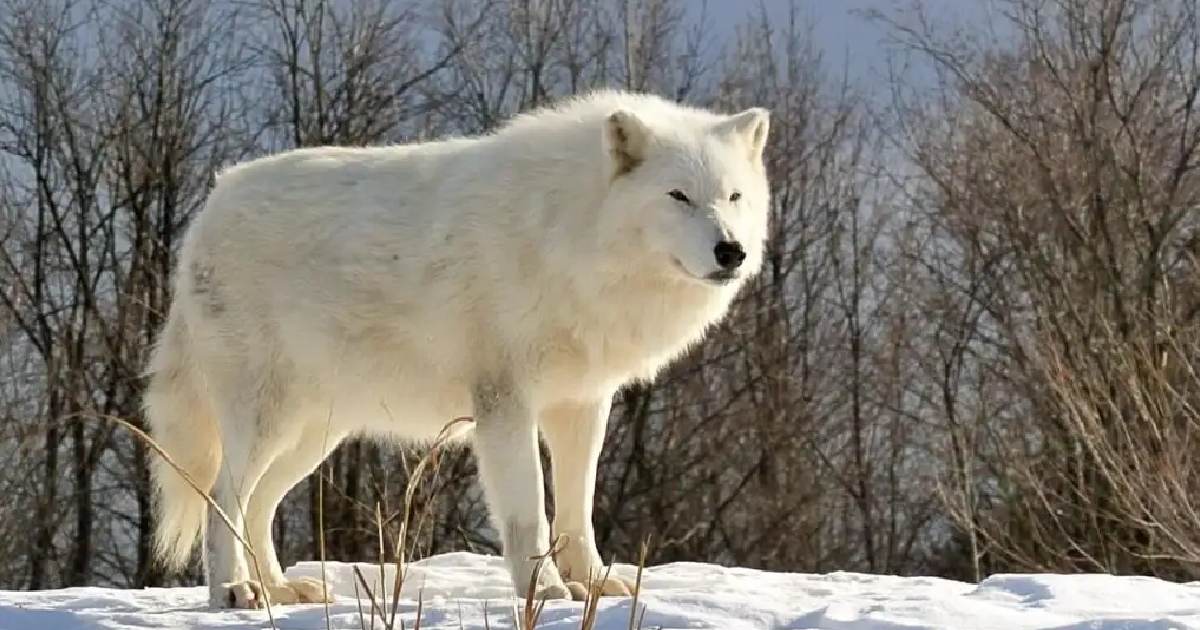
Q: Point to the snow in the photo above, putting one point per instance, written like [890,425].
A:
[458,589]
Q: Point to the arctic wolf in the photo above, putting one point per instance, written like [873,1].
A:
[518,278]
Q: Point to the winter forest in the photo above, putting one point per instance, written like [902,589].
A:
[974,346]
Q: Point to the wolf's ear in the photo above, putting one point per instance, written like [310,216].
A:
[625,139]
[751,126]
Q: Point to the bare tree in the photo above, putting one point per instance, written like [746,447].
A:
[972,347]
[1057,205]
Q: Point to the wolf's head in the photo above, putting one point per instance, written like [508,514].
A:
[689,197]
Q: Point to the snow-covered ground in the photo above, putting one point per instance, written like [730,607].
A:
[457,590]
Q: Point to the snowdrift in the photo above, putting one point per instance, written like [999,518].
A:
[459,589]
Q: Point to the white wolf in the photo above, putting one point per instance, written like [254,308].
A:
[518,278]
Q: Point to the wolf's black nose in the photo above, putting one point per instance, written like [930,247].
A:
[729,254]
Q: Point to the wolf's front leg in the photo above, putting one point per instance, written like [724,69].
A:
[506,445]
[575,432]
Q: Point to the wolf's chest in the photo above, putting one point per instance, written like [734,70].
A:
[627,343]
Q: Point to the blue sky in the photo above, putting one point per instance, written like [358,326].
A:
[841,34]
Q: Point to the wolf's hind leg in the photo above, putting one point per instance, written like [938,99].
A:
[249,412]
[229,583]
[287,470]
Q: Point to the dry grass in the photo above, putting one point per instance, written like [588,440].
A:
[381,609]
[635,617]
[212,505]
[591,603]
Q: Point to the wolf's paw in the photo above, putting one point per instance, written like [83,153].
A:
[546,585]
[304,590]
[613,585]
[580,566]
[609,587]
[554,591]
[248,594]
[311,590]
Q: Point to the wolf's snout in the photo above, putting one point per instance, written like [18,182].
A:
[729,254]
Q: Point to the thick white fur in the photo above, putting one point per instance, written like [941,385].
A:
[519,278]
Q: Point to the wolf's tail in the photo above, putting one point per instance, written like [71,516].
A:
[181,421]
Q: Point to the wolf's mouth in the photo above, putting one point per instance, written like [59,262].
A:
[716,278]
[724,276]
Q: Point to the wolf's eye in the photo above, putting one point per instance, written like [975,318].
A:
[678,195]
[735,196]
